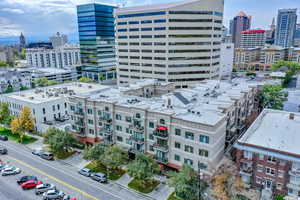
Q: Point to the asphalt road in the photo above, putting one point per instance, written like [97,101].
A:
[65,178]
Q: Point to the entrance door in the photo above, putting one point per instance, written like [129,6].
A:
[269,184]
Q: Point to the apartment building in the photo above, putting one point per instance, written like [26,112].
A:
[270,55]
[245,59]
[67,56]
[172,42]
[268,154]
[13,79]
[186,126]
[296,55]
[253,39]
[227,57]
[47,104]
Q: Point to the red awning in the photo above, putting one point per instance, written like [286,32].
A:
[162,128]
[172,165]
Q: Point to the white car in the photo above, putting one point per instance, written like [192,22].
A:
[40,189]
[10,171]
[53,194]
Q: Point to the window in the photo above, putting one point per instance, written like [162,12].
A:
[53,108]
[177,131]
[119,139]
[118,117]
[65,105]
[44,111]
[146,29]
[162,121]
[272,159]
[72,108]
[261,156]
[260,168]
[203,152]
[91,131]
[280,174]
[151,137]
[151,148]
[119,128]
[138,115]
[89,111]
[90,121]
[189,135]
[177,145]
[270,171]
[259,180]
[188,162]
[248,155]
[133,22]
[142,14]
[146,22]
[159,21]
[128,119]
[188,149]
[151,124]
[204,139]
[202,166]
[177,157]
[159,28]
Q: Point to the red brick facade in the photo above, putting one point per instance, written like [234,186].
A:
[261,168]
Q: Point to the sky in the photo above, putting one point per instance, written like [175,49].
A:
[39,19]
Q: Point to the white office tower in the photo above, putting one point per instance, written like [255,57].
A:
[58,40]
[175,42]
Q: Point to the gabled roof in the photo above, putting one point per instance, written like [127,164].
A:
[162,6]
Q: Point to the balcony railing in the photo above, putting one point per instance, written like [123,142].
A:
[80,123]
[161,159]
[79,112]
[163,148]
[137,139]
[160,134]
[135,151]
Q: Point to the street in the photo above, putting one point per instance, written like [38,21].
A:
[65,178]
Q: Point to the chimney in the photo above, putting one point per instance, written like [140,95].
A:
[292,116]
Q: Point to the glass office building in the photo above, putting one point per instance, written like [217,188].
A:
[97,41]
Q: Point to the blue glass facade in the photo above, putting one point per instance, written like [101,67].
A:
[97,38]
[286,27]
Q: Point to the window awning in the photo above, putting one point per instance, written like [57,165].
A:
[162,128]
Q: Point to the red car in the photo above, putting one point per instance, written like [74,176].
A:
[30,184]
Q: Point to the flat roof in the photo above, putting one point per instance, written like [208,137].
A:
[55,92]
[274,130]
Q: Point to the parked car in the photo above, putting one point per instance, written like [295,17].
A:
[30,184]
[10,171]
[24,179]
[3,138]
[40,189]
[100,177]
[3,150]
[85,172]
[53,194]
[37,152]
[67,197]
[47,156]
[3,166]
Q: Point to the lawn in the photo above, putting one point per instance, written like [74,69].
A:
[173,197]
[26,139]
[143,187]
[114,175]
[62,155]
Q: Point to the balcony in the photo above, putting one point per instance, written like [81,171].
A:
[79,131]
[161,159]
[80,123]
[161,134]
[79,112]
[136,151]
[107,131]
[161,147]
[137,139]
[246,171]
[138,128]
[294,172]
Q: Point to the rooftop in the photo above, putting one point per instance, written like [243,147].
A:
[52,93]
[275,130]
[45,71]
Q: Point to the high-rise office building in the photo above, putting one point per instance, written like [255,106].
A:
[286,26]
[58,40]
[297,36]
[22,41]
[175,42]
[231,27]
[97,46]
[241,23]
[270,34]
[253,39]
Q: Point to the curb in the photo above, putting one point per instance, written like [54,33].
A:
[137,192]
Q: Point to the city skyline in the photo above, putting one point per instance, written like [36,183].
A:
[18,16]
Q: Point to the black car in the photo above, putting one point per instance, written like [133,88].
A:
[25,179]
[3,150]
[3,138]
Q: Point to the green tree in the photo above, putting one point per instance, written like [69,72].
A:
[51,132]
[85,80]
[95,153]
[9,89]
[272,97]
[143,168]
[23,54]
[52,82]
[3,64]
[292,66]
[102,77]
[62,142]
[41,82]
[5,117]
[113,158]
[187,184]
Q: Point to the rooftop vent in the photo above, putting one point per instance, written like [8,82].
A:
[292,116]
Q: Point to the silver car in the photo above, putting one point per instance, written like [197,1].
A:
[10,171]
[40,189]
[53,194]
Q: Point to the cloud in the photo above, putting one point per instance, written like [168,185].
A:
[8,28]
[12,10]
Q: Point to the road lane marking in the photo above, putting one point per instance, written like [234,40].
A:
[55,179]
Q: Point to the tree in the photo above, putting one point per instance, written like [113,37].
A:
[52,82]
[41,82]
[9,89]
[219,187]
[61,142]
[102,77]
[187,183]
[95,153]
[26,119]
[272,97]
[3,64]
[292,66]
[51,132]
[143,168]
[5,117]
[113,157]
[85,80]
